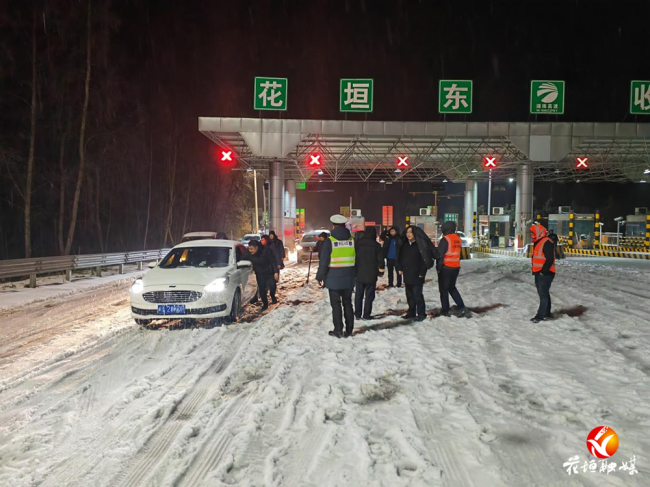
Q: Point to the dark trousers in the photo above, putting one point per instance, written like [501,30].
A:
[341,302]
[543,285]
[447,286]
[265,283]
[415,299]
[367,292]
[392,266]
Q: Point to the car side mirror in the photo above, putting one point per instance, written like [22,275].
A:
[243,264]
[151,265]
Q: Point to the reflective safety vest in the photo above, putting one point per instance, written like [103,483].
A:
[343,253]
[452,256]
[538,256]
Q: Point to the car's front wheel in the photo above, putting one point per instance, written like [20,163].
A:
[235,309]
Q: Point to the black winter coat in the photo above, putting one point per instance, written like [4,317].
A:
[264,262]
[336,278]
[412,264]
[277,247]
[427,249]
[369,260]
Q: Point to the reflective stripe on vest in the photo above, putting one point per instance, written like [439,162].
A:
[452,256]
[538,256]
[343,254]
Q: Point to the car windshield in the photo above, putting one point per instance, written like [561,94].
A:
[251,237]
[461,234]
[196,257]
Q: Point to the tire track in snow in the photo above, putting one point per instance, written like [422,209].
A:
[50,393]
[159,442]
[212,453]
[117,424]
[28,329]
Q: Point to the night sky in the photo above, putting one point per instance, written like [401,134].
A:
[597,47]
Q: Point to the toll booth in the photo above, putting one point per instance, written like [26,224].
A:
[357,221]
[583,228]
[497,234]
[635,226]
[500,226]
[427,223]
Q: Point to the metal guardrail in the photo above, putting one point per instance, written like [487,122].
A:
[46,265]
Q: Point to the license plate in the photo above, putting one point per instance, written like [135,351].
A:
[171,309]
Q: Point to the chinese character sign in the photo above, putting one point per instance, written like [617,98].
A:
[547,97]
[455,96]
[640,98]
[271,93]
[356,95]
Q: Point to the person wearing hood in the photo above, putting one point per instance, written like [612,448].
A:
[266,271]
[336,272]
[415,257]
[448,267]
[543,268]
[277,247]
[391,248]
[267,245]
[368,266]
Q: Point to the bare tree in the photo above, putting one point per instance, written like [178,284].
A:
[32,142]
[82,136]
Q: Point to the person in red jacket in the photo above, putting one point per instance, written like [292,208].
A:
[448,267]
[543,268]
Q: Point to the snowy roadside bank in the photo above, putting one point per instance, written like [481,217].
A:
[17,294]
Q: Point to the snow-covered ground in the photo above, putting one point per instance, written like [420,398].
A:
[87,398]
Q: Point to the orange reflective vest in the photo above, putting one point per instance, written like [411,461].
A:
[538,256]
[452,256]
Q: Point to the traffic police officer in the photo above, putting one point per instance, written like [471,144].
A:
[336,272]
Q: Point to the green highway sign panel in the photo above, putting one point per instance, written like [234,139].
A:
[451,217]
[356,95]
[271,93]
[455,96]
[640,98]
[547,97]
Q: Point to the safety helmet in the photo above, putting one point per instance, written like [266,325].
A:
[537,232]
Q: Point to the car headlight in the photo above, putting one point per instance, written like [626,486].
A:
[217,285]
[137,286]
[298,247]
[469,240]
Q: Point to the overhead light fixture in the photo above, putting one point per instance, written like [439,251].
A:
[647,171]
[382,182]
[643,181]
[511,179]
[250,169]
[474,171]
[320,180]
[320,172]
[577,181]
[444,180]
[397,171]
[557,171]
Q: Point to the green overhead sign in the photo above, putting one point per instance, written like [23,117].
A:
[271,93]
[547,97]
